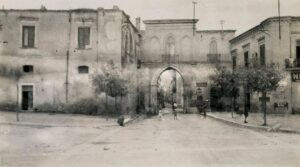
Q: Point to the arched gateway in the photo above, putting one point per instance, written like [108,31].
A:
[154,83]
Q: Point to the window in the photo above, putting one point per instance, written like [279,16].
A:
[28,68]
[83,69]
[234,55]
[213,47]
[246,58]
[170,46]
[262,55]
[28,36]
[298,53]
[83,37]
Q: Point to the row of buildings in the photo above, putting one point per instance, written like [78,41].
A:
[59,51]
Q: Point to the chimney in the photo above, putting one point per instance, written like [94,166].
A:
[116,7]
[138,23]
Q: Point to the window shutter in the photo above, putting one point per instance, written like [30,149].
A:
[80,38]
[25,36]
[30,36]
[262,55]
[87,36]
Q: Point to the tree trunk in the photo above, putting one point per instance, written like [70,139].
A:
[232,106]
[116,108]
[264,107]
[17,112]
[106,107]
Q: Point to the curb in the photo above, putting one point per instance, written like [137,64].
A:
[130,120]
[51,125]
[254,127]
[36,125]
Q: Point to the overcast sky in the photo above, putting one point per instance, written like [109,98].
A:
[238,14]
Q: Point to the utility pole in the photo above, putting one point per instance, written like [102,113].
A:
[279,19]
[222,24]
[194,17]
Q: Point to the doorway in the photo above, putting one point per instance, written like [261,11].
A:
[298,56]
[27,97]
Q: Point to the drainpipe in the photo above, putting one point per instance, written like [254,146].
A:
[67,59]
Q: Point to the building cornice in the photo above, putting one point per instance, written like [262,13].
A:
[261,27]
[171,21]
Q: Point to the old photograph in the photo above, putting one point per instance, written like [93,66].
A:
[150,83]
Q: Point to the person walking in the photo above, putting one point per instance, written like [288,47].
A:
[175,111]
[246,110]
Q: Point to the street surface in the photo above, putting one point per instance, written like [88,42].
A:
[190,141]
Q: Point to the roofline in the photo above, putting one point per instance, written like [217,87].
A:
[170,21]
[80,10]
[214,31]
[59,10]
[257,27]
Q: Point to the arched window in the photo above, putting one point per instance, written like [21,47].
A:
[170,46]
[83,69]
[213,47]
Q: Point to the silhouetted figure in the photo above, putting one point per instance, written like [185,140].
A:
[175,111]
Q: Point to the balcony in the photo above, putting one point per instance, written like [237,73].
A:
[292,63]
[213,58]
[167,58]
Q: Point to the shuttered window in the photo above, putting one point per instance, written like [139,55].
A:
[262,55]
[28,36]
[83,37]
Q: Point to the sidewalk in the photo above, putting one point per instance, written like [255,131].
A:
[283,122]
[58,120]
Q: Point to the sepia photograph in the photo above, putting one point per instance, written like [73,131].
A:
[150,83]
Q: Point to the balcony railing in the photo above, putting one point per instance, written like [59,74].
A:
[168,58]
[292,63]
[213,58]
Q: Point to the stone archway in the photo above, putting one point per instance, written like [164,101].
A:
[154,84]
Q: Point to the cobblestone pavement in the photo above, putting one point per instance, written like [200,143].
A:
[190,141]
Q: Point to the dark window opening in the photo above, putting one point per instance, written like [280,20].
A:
[246,58]
[262,55]
[298,56]
[83,69]
[28,36]
[234,62]
[83,37]
[28,68]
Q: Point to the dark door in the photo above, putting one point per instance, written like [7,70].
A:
[298,55]
[27,97]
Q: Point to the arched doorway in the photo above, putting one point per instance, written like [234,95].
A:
[175,93]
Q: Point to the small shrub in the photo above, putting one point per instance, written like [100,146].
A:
[50,108]
[10,106]
[83,106]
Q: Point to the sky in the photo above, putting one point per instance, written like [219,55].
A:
[239,15]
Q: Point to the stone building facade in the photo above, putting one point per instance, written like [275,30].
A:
[58,52]
[272,46]
[177,45]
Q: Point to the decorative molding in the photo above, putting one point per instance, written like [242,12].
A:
[84,20]
[28,18]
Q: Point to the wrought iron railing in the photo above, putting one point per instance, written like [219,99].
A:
[168,58]
[213,58]
[292,63]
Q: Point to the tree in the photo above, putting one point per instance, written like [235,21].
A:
[262,79]
[111,83]
[16,74]
[228,83]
